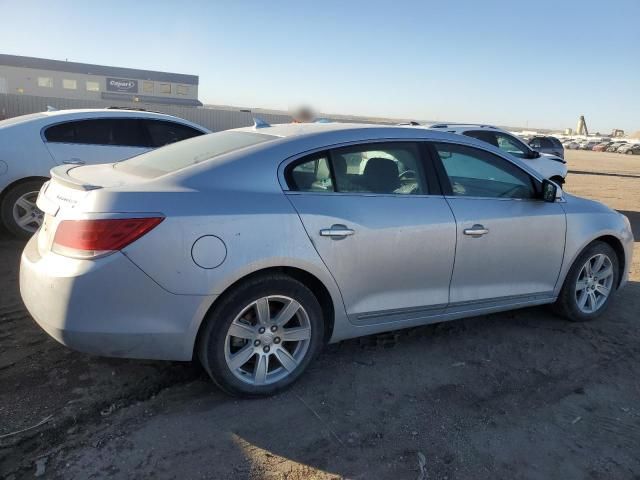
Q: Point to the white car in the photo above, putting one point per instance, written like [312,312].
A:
[549,166]
[31,145]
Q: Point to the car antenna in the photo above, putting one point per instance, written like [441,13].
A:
[259,123]
[51,109]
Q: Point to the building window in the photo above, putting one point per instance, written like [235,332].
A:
[182,90]
[93,86]
[69,84]
[45,82]
[147,87]
[165,87]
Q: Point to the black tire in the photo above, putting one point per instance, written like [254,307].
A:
[211,340]
[567,304]
[8,201]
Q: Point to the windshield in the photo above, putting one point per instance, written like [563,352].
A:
[190,152]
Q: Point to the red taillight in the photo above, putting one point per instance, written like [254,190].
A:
[88,238]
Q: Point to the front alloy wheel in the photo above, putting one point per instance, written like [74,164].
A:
[261,335]
[594,283]
[590,283]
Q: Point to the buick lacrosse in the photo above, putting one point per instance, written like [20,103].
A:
[250,249]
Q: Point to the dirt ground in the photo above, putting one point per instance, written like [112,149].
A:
[515,395]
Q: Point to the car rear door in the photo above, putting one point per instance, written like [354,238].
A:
[386,236]
[92,141]
[510,243]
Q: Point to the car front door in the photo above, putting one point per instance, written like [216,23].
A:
[96,140]
[386,240]
[510,243]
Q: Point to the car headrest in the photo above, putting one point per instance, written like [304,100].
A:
[381,175]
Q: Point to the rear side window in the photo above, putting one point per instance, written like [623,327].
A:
[312,175]
[556,143]
[163,132]
[541,142]
[477,173]
[184,154]
[104,131]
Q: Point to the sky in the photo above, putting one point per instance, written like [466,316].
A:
[517,63]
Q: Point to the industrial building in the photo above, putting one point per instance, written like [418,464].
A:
[82,81]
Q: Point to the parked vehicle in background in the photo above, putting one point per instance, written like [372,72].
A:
[588,144]
[243,248]
[630,149]
[550,166]
[573,145]
[602,146]
[615,146]
[547,144]
[30,145]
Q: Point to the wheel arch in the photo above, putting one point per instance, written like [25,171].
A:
[611,240]
[617,246]
[311,281]
[20,181]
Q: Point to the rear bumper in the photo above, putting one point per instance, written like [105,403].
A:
[108,306]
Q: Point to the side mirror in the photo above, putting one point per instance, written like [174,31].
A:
[534,154]
[549,191]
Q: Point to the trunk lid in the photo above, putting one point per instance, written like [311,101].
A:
[71,184]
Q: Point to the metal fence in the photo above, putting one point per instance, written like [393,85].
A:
[215,119]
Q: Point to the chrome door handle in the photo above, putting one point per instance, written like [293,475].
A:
[74,161]
[336,231]
[476,231]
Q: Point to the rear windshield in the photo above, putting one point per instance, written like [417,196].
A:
[190,152]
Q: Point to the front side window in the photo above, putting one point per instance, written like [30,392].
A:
[477,173]
[69,84]
[45,82]
[511,145]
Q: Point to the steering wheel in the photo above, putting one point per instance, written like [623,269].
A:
[408,175]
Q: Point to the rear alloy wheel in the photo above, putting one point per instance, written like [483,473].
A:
[19,212]
[261,337]
[590,283]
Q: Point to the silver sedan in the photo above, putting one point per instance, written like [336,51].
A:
[252,248]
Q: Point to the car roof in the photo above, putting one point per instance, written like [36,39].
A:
[53,116]
[465,127]
[292,139]
[357,131]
